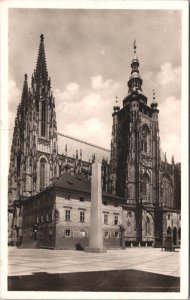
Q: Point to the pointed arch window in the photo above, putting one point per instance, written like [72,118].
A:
[145,139]
[145,187]
[167,191]
[148,226]
[43,169]
[43,119]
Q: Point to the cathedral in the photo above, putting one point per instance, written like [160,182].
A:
[50,174]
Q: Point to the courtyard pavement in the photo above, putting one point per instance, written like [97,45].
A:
[146,264]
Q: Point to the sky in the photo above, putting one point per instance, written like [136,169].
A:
[88,54]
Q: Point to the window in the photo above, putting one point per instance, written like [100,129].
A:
[42,172]
[167,191]
[116,234]
[82,216]
[67,232]
[145,188]
[116,219]
[43,119]
[106,234]
[168,216]
[37,219]
[83,233]
[47,218]
[106,219]
[67,215]
[55,171]
[42,219]
[148,226]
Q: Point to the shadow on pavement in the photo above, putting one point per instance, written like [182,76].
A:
[107,281]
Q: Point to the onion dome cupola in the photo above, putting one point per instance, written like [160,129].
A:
[135,81]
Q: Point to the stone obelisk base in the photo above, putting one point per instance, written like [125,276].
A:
[95,250]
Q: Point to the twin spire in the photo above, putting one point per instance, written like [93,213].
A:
[40,73]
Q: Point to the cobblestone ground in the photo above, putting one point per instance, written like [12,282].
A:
[132,269]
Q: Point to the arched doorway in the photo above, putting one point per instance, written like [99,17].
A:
[175,236]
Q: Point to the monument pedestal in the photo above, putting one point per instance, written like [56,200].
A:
[95,250]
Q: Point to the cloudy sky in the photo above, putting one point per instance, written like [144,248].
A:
[88,54]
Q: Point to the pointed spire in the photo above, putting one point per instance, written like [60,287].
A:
[173,161]
[25,94]
[165,158]
[41,68]
[135,47]
[135,81]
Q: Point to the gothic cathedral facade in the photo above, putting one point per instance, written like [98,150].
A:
[145,185]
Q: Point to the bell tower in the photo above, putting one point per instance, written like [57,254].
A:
[135,147]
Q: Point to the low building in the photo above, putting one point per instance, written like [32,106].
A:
[59,216]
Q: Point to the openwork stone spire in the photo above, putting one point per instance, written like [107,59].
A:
[41,67]
[25,94]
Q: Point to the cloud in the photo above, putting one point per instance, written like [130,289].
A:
[89,117]
[167,84]
[166,81]
[68,94]
[88,130]
[97,83]
[13,101]
[168,75]
[170,124]
[14,95]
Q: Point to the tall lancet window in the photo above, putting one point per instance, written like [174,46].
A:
[43,119]
[145,187]
[43,171]
[167,191]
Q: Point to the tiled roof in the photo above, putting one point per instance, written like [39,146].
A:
[73,182]
[79,184]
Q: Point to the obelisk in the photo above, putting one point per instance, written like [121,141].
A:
[95,232]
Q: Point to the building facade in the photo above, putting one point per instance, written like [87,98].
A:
[144,185]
